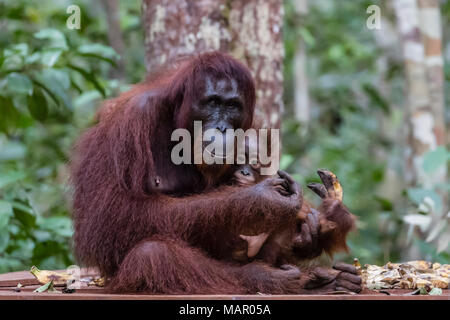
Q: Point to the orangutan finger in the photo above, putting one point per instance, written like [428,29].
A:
[293,186]
[276,182]
[318,189]
[282,190]
[324,275]
[342,289]
[348,285]
[350,277]
[313,223]
[306,234]
[331,183]
[345,267]
[297,241]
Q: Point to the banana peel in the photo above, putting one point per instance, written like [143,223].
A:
[99,282]
[46,276]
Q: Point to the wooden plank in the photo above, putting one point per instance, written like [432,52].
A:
[26,278]
[9,281]
[13,278]
[97,293]
[30,288]
[10,295]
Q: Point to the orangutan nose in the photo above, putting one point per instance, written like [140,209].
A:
[222,128]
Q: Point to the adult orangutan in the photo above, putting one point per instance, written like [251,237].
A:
[152,226]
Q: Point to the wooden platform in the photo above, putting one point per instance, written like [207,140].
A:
[9,281]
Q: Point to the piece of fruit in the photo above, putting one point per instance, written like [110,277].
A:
[331,187]
[45,276]
[99,282]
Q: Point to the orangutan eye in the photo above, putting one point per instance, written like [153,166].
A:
[213,101]
[233,104]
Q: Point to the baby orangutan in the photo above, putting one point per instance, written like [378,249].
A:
[275,246]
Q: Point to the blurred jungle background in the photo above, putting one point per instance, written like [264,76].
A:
[351,103]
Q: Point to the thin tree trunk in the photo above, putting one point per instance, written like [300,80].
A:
[248,30]
[431,29]
[301,97]
[421,36]
[115,34]
[421,31]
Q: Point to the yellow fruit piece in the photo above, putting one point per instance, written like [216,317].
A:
[99,282]
[45,276]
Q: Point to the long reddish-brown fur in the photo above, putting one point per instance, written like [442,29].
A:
[176,241]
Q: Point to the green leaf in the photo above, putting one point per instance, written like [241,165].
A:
[423,291]
[62,76]
[24,214]
[53,83]
[47,249]
[34,58]
[49,57]
[46,287]
[417,195]
[6,212]
[8,264]
[307,36]
[99,51]
[10,176]
[376,98]
[4,240]
[22,249]
[20,48]
[12,150]
[2,58]
[435,292]
[386,204]
[37,105]
[61,226]
[90,76]
[10,116]
[19,83]
[55,38]
[434,159]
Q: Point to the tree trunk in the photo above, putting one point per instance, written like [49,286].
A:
[301,97]
[420,28]
[421,32]
[248,30]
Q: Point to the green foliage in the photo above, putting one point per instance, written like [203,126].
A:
[51,79]
[354,131]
